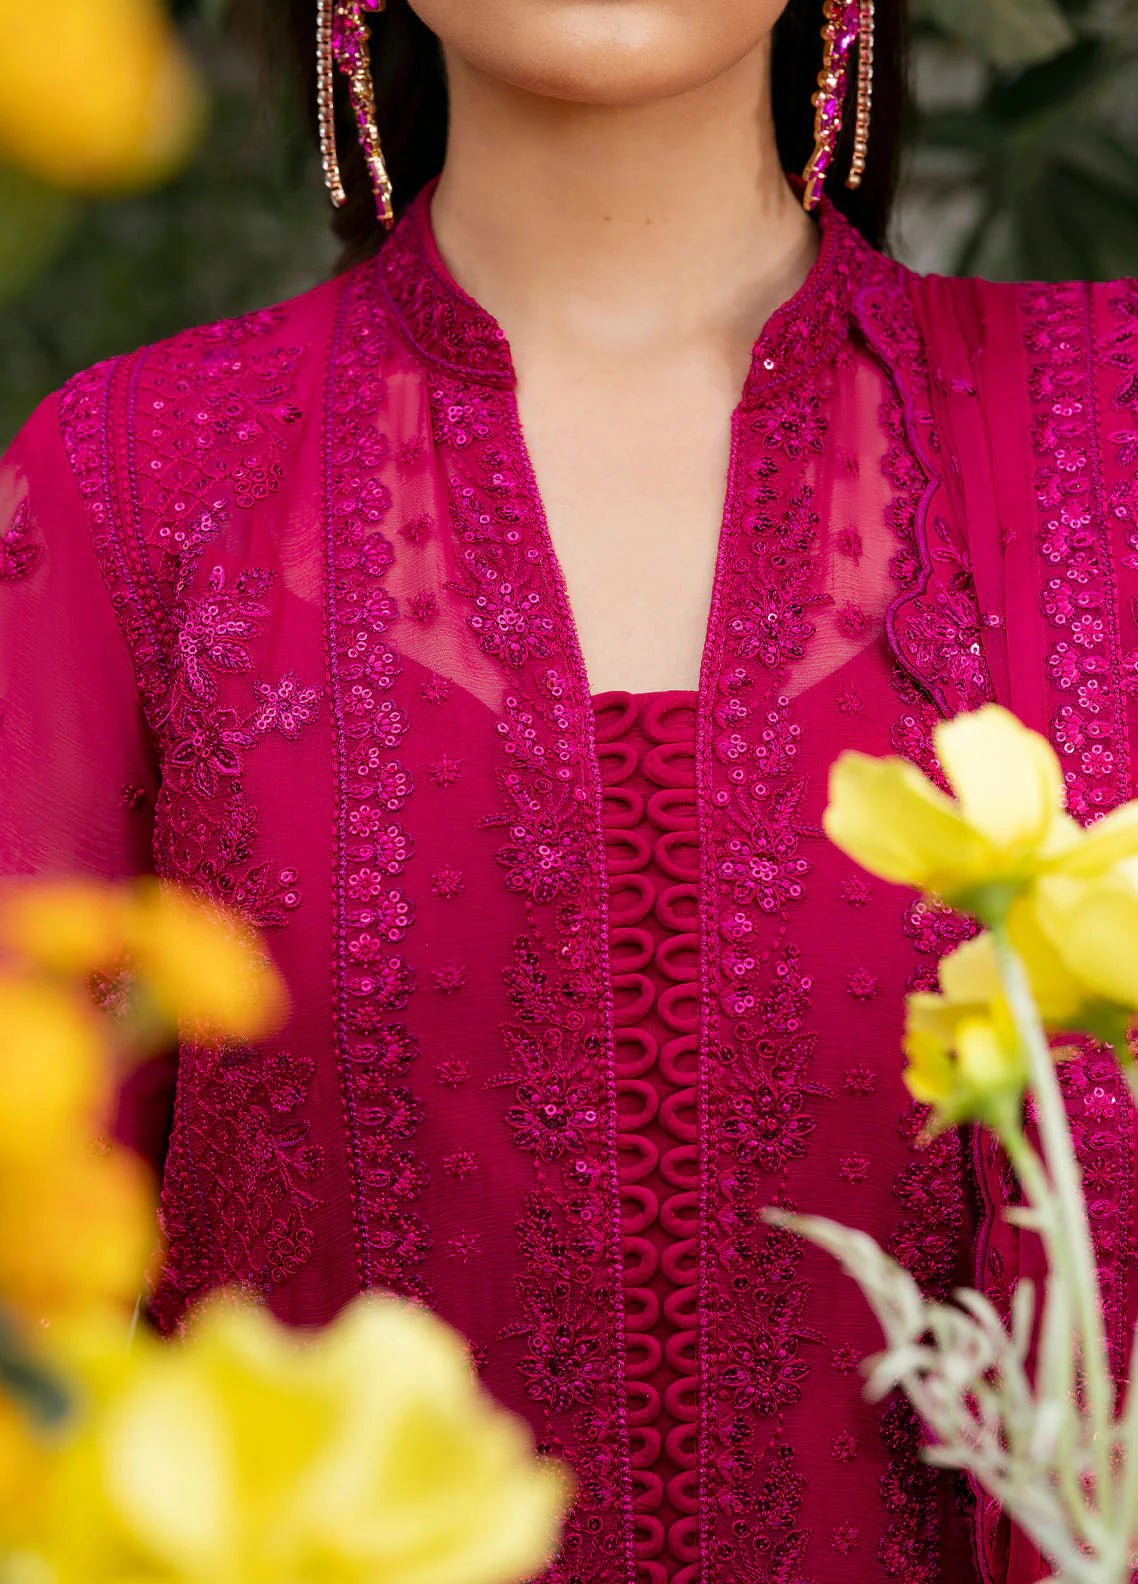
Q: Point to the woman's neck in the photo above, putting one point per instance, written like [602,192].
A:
[634,222]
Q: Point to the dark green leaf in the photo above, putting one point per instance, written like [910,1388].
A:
[1010,33]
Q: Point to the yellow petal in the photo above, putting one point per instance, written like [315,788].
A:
[55,1079]
[1006,778]
[77,1233]
[68,926]
[988,1062]
[24,1460]
[930,1076]
[203,963]
[167,1467]
[431,1483]
[1059,994]
[1110,841]
[1093,926]
[970,975]
[894,822]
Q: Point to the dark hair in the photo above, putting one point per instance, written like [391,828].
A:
[412,107]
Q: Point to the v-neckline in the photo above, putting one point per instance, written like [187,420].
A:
[451,328]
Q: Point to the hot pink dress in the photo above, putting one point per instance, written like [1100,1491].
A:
[578,986]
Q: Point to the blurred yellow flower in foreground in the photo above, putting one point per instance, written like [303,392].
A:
[77,1220]
[1005,825]
[77,1213]
[251,1453]
[94,94]
[24,1465]
[201,964]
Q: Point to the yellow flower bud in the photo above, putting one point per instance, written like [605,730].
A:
[965,1058]
[95,95]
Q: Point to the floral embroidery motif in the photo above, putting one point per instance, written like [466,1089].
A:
[1088,728]
[549,858]
[286,707]
[247,1138]
[392,1239]
[449,978]
[19,552]
[238,1189]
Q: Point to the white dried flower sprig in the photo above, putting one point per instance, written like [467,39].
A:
[965,1374]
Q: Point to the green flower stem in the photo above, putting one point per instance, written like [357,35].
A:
[1130,1073]
[1056,1363]
[1071,1224]
[1129,1439]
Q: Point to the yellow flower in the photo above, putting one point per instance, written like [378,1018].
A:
[95,94]
[249,1453]
[54,1083]
[1005,824]
[965,1058]
[971,973]
[203,964]
[75,1232]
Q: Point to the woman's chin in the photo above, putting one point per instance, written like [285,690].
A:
[608,53]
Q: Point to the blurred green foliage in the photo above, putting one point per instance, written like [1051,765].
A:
[1030,115]
[1027,142]
[245,225]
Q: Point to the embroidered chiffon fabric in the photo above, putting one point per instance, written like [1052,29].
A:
[282,618]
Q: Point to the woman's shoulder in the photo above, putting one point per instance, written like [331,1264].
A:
[1081,313]
[237,357]
[230,375]
[183,435]
[1004,342]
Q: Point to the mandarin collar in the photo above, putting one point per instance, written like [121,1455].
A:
[452,330]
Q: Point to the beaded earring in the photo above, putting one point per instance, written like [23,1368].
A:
[342,38]
[846,22]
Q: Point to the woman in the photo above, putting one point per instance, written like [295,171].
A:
[517,747]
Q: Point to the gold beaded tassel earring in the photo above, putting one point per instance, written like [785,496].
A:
[864,93]
[847,22]
[342,43]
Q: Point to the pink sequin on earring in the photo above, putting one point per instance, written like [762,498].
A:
[847,22]
[342,39]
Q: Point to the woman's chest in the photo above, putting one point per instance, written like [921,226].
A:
[380,705]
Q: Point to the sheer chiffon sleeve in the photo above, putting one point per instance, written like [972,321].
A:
[78,771]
